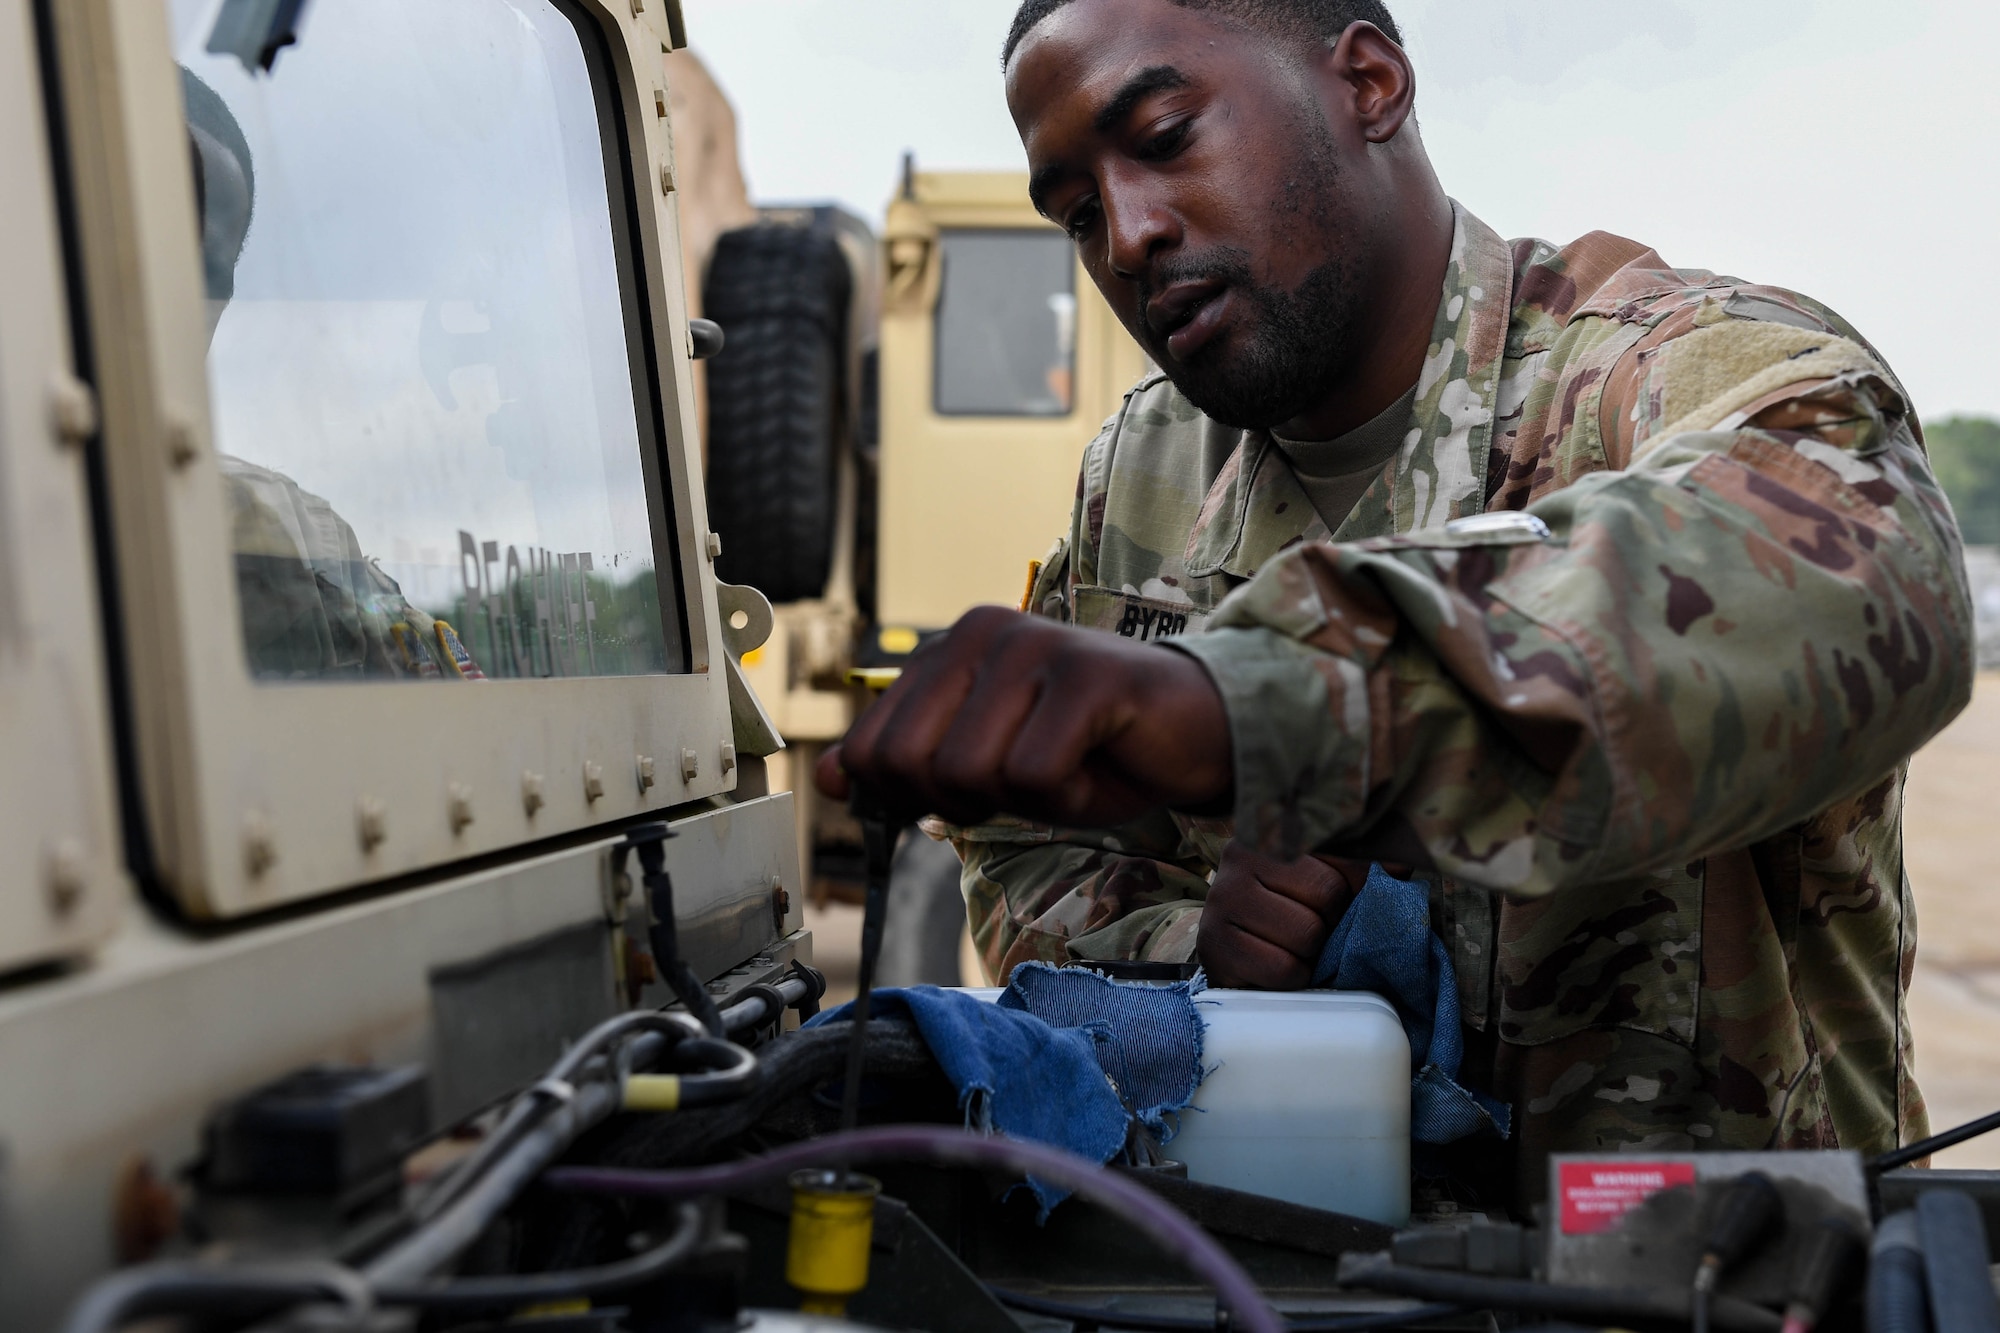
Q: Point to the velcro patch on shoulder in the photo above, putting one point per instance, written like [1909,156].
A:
[1713,372]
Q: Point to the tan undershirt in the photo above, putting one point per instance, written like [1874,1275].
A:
[1336,473]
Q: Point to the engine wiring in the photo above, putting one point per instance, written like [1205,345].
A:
[594,1079]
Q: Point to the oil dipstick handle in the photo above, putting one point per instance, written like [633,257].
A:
[879,832]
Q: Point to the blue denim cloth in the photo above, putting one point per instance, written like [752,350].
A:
[1065,1057]
[1384,943]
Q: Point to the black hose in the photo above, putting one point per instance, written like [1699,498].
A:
[1971,1129]
[572,1284]
[1958,1274]
[1097,1316]
[1374,1272]
[1896,1299]
[446,1232]
[445,1236]
[762,1003]
[538,1102]
[1828,1260]
[759,1004]
[182,1288]
[731,1073]
[649,841]
[787,1070]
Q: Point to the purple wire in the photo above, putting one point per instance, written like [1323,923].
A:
[1152,1215]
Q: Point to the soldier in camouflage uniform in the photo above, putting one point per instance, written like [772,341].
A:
[1625,642]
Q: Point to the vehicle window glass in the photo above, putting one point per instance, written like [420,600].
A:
[1006,324]
[421,357]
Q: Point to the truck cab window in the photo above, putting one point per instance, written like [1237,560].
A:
[1006,324]
[423,348]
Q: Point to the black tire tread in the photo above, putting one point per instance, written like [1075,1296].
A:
[775,405]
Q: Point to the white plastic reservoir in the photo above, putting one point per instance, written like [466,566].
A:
[1308,1100]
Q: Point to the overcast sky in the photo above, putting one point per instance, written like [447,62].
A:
[1846,148]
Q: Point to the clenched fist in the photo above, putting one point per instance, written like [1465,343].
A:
[1009,712]
[1266,920]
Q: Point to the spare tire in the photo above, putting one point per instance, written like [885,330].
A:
[776,405]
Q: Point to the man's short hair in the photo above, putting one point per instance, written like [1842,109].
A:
[1308,20]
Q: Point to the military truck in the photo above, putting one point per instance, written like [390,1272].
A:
[358,607]
[388,847]
[894,431]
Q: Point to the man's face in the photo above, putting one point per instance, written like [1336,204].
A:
[1196,165]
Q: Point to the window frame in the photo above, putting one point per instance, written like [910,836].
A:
[254,795]
[62,887]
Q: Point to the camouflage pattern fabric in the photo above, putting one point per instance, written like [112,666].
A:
[313,606]
[1655,757]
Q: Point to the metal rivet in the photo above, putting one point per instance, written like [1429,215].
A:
[532,786]
[645,771]
[458,805]
[66,876]
[690,765]
[72,409]
[714,546]
[593,780]
[180,442]
[728,756]
[260,847]
[370,822]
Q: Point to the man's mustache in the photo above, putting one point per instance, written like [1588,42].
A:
[1223,264]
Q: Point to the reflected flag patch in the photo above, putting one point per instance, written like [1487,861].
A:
[455,655]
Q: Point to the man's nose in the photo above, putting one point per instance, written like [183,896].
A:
[1136,225]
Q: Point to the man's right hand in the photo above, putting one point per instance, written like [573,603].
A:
[1266,920]
[1010,712]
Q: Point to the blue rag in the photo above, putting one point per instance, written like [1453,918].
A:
[1064,1057]
[1384,943]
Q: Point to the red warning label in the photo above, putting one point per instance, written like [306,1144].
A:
[1596,1194]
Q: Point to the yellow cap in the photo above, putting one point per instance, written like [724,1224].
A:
[833,1222]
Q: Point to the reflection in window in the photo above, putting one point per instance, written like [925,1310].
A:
[420,361]
[1006,324]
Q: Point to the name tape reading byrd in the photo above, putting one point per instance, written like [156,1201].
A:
[1147,619]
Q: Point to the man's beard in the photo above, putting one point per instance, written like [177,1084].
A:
[1290,350]
[1285,355]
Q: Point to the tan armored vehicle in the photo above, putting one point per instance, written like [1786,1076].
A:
[879,474]
[357,592]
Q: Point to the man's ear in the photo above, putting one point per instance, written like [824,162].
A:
[1379,72]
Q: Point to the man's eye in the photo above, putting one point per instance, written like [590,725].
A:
[1167,142]
[1079,220]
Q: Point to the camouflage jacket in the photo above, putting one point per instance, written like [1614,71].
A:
[1654,756]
